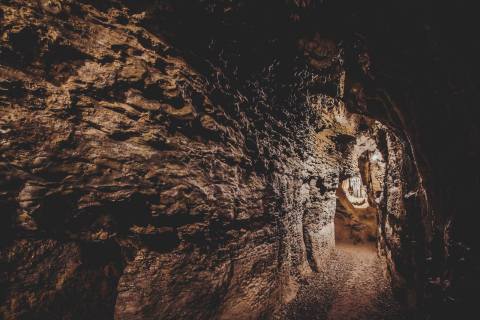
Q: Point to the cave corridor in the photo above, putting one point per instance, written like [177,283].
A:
[239,159]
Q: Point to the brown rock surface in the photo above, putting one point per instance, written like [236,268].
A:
[179,159]
[109,137]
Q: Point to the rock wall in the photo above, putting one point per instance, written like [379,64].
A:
[179,159]
[137,186]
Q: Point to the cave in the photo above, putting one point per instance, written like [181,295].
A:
[239,159]
[356,218]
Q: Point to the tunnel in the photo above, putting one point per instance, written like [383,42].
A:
[239,159]
[355,218]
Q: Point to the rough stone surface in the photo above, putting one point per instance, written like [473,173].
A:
[179,159]
[109,137]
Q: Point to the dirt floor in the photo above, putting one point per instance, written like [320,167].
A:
[353,286]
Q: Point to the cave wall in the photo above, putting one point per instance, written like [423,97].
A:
[152,146]
[111,139]
[137,186]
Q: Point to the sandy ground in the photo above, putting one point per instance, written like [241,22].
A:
[353,286]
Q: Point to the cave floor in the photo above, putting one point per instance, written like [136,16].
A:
[353,286]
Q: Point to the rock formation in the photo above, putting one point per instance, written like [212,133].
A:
[180,159]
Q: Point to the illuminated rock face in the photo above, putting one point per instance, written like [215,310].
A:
[150,189]
[161,160]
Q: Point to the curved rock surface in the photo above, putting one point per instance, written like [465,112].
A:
[179,159]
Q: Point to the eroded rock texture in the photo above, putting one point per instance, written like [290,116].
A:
[213,200]
[179,159]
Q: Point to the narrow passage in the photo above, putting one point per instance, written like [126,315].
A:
[353,286]
[353,283]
